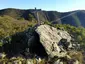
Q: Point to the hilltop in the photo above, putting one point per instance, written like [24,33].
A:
[75,18]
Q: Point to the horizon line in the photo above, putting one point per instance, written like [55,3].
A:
[42,9]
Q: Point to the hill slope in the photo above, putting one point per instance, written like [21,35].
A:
[75,18]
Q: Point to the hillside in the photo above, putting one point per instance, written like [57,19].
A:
[23,41]
[75,18]
[43,15]
[44,44]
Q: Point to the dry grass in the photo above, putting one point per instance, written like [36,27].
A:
[76,55]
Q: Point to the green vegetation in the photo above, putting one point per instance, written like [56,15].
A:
[21,60]
[47,22]
[10,26]
[31,18]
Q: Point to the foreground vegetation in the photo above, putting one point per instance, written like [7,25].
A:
[10,26]
[20,60]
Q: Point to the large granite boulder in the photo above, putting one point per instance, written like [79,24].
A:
[42,41]
[55,41]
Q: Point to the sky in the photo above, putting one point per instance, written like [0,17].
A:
[55,5]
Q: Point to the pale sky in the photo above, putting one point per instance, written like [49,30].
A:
[57,5]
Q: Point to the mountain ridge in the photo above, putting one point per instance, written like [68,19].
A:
[74,18]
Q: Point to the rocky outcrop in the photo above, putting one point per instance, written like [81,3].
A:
[55,41]
[46,42]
